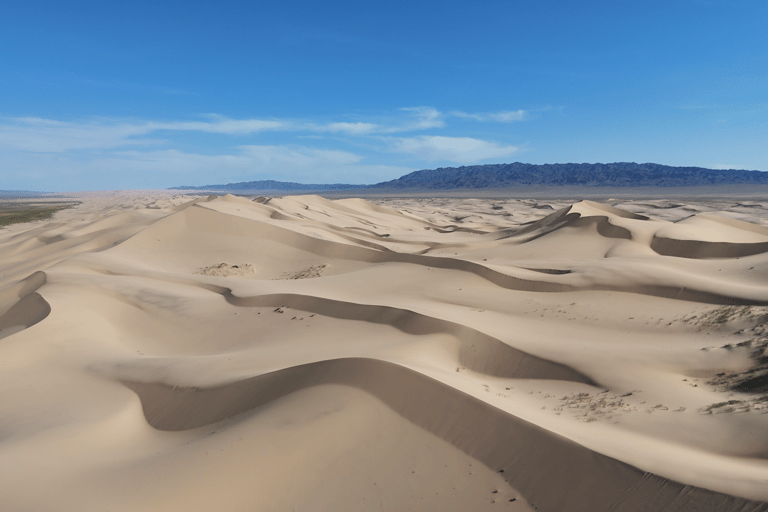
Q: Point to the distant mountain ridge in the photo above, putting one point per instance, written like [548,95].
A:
[620,174]
[272,185]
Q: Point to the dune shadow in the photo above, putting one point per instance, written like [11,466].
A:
[28,310]
[477,351]
[531,458]
[697,249]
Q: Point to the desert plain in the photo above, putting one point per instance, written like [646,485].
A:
[166,352]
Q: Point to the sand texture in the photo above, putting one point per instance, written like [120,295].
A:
[169,353]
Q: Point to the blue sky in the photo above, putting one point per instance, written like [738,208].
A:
[113,95]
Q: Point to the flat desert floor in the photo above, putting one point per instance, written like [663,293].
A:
[178,353]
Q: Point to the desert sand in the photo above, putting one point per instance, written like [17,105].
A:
[176,353]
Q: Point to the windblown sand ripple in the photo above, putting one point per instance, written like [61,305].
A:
[222,353]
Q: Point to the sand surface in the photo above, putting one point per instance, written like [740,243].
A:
[177,353]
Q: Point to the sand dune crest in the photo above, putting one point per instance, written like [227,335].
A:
[301,353]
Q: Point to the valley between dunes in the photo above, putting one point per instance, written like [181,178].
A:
[179,353]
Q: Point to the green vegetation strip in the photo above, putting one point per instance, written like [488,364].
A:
[15,217]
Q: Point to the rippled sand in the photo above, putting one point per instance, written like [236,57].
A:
[172,353]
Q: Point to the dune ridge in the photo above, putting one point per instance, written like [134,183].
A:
[178,351]
[500,441]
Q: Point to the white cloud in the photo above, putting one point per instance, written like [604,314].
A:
[277,162]
[278,158]
[49,136]
[502,117]
[416,119]
[224,125]
[506,117]
[462,150]
[424,118]
[46,154]
[169,161]
[131,168]
[46,136]
[350,128]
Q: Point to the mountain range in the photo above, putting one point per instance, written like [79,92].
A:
[621,174]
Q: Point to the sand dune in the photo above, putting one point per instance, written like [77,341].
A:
[297,353]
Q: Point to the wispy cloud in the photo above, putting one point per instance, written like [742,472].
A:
[160,168]
[220,124]
[296,158]
[409,119]
[501,117]
[462,150]
[424,118]
[341,127]
[45,135]
[257,159]
[139,153]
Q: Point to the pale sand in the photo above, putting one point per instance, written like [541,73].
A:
[170,353]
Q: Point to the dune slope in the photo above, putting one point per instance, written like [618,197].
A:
[223,353]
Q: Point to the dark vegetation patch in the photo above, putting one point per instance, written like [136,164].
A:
[14,213]
[752,384]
